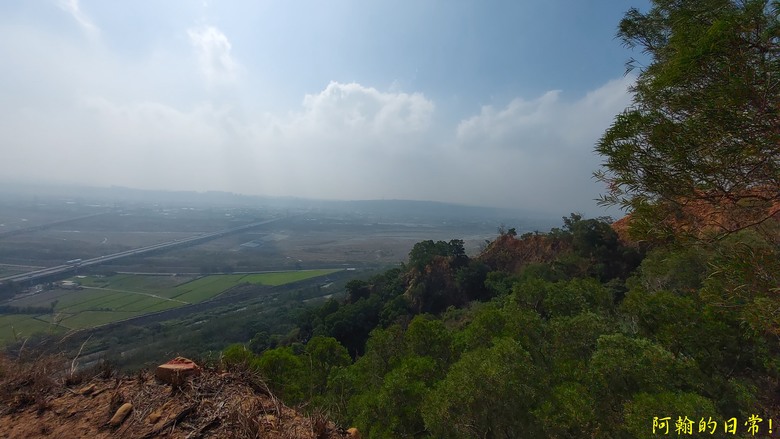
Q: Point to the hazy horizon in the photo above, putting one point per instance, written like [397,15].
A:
[460,103]
[44,193]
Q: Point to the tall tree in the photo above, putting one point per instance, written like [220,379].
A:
[700,146]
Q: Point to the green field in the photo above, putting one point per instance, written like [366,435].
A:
[22,326]
[133,282]
[201,289]
[88,319]
[109,299]
[286,277]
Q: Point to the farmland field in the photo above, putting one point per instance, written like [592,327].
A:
[22,326]
[218,290]
[285,277]
[101,300]
[88,319]
[203,288]
[134,282]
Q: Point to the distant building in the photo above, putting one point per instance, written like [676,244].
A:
[35,289]
[70,285]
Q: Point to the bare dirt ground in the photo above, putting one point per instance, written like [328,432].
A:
[37,400]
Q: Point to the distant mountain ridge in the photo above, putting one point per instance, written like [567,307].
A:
[385,208]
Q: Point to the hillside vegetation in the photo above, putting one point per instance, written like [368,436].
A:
[552,335]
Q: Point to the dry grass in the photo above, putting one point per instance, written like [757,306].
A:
[28,382]
[46,396]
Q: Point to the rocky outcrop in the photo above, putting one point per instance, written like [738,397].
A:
[508,253]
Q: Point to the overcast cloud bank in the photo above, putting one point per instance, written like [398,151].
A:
[186,120]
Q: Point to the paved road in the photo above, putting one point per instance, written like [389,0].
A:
[60,269]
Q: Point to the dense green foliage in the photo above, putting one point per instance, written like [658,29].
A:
[573,355]
[704,129]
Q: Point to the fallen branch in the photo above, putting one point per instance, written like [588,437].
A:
[177,419]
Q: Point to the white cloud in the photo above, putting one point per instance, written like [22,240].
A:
[344,142]
[361,112]
[539,152]
[521,120]
[176,110]
[347,141]
[546,122]
[74,9]
[81,114]
[213,50]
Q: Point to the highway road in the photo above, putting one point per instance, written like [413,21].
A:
[61,269]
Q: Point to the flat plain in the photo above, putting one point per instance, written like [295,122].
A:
[302,244]
[106,299]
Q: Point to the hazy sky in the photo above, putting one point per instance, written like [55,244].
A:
[495,103]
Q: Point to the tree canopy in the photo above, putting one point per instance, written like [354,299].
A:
[703,133]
